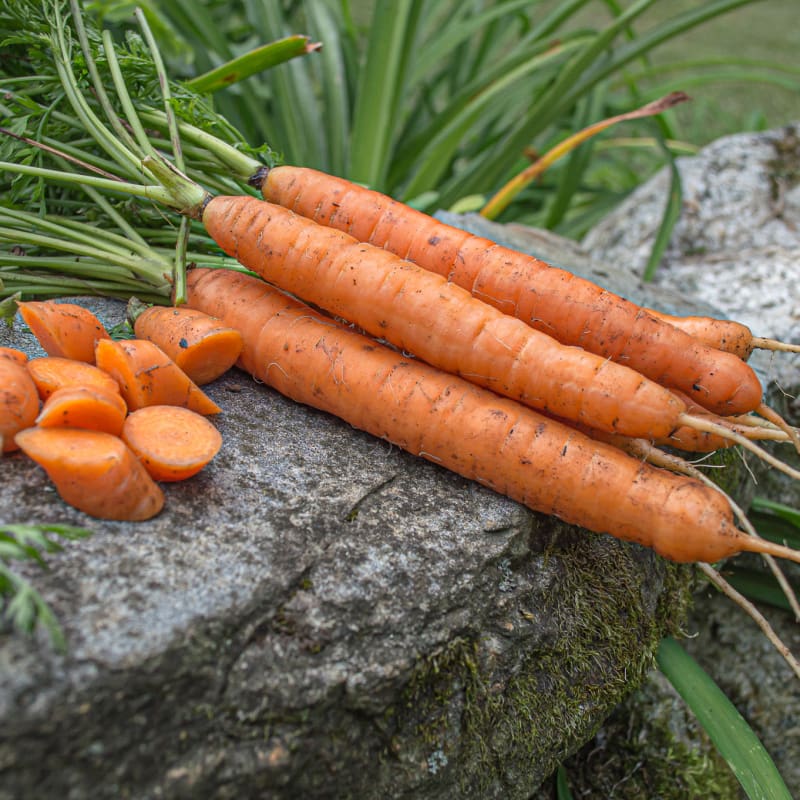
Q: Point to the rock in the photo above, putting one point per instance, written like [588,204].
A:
[736,246]
[317,615]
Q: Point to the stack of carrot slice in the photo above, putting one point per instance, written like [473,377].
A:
[109,419]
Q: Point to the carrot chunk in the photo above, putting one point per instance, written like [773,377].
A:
[84,407]
[147,376]
[94,471]
[19,401]
[66,330]
[202,346]
[14,355]
[173,443]
[55,372]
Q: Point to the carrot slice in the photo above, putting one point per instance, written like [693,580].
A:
[54,372]
[173,443]
[84,407]
[19,402]
[66,330]
[201,345]
[149,377]
[14,355]
[94,471]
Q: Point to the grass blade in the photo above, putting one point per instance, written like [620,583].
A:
[725,726]
[383,78]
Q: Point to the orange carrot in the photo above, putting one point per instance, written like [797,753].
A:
[147,376]
[500,443]
[423,313]
[172,442]
[199,344]
[14,355]
[19,401]
[66,330]
[84,407]
[725,334]
[94,471]
[54,372]
[573,310]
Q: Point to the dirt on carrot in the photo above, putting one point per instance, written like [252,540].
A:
[198,343]
[147,376]
[19,401]
[502,444]
[50,373]
[94,471]
[172,442]
[66,330]
[84,407]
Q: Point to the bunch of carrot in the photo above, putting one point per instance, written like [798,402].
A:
[108,419]
[518,369]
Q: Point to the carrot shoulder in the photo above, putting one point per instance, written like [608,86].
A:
[198,343]
[19,401]
[172,442]
[66,330]
[84,407]
[424,314]
[94,471]
[573,310]
[506,446]
[147,376]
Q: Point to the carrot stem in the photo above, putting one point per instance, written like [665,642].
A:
[753,613]
[762,343]
[722,430]
[776,419]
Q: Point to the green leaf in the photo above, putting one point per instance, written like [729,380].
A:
[244,66]
[725,726]
[381,85]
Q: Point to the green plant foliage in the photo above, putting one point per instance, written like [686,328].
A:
[20,604]
[734,738]
[440,99]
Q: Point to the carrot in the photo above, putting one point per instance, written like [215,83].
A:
[14,355]
[573,310]
[500,443]
[172,442]
[19,400]
[147,376]
[55,372]
[425,314]
[66,330]
[94,471]
[84,407]
[199,344]
[724,334]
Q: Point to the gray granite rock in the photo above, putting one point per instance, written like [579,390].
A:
[317,615]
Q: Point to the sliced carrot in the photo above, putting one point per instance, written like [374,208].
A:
[172,442]
[202,346]
[19,401]
[94,471]
[66,330]
[55,372]
[84,407]
[14,355]
[147,376]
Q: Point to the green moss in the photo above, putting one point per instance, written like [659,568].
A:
[650,749]
[506,718]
